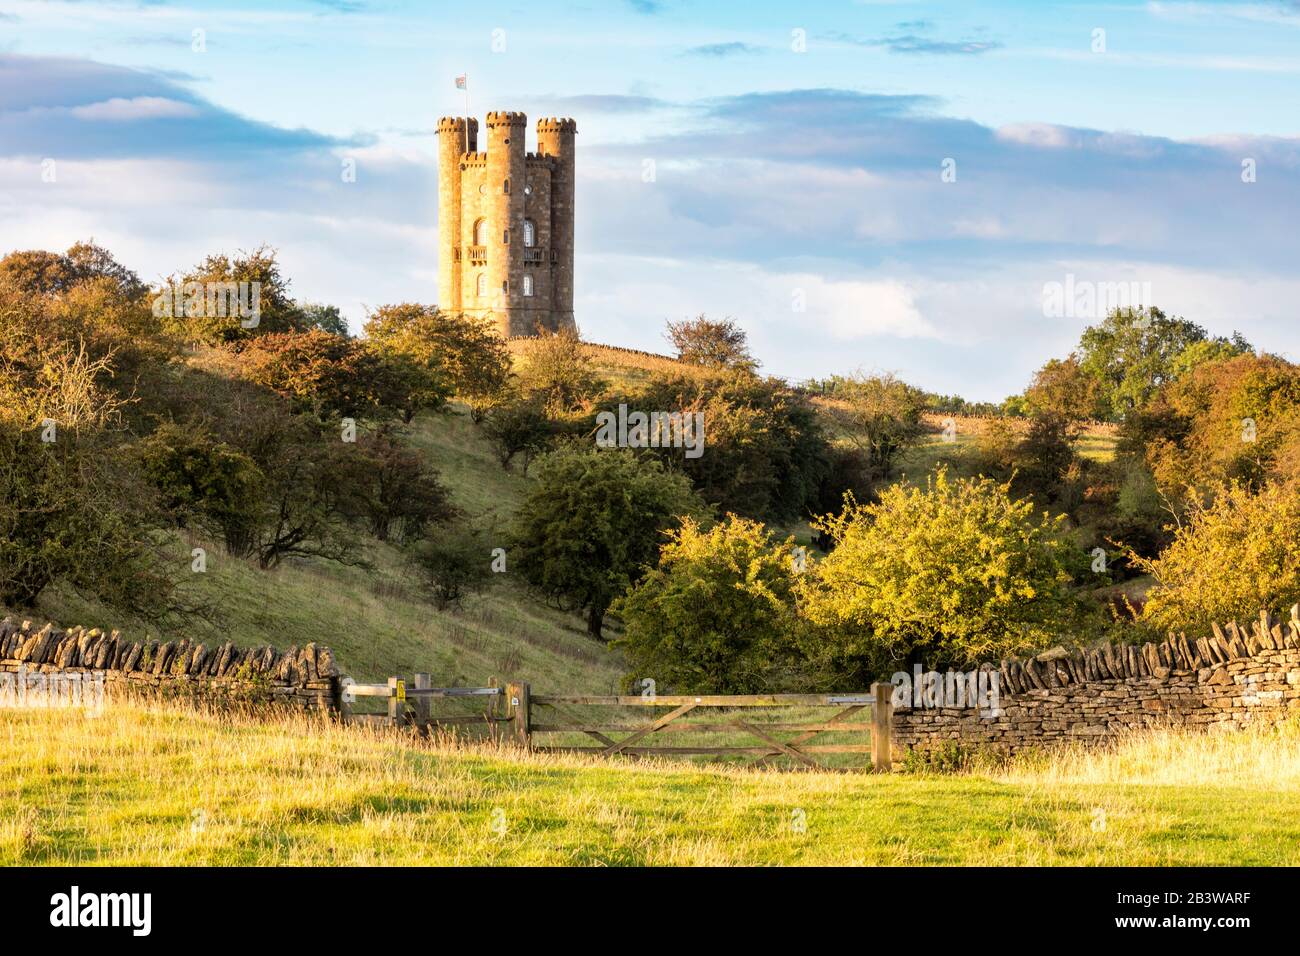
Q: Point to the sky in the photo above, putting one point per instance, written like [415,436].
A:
[875,186]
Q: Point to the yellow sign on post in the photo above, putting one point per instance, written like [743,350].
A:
[401,690]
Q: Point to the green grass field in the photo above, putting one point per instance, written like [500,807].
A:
[152,787]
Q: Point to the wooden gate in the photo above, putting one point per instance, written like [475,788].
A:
[727,716]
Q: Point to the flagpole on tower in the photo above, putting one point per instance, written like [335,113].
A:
[463,82]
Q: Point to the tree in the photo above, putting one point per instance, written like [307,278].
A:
[327,374]
[1131,353]
[713,344]
[1231,558]
[205,482]
[1063,389]
[206,314]
[518,427]
[880,415]
[392,490]
[1235,419]
[1209,350]
[958,570]
[764,453]
[73,511]
[592,521]
[327,318]
[557,372]
[460,356]
[715,616]
[51,273]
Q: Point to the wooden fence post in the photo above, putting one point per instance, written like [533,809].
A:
[882,727]
[422,704]
[396,700]
[520,712]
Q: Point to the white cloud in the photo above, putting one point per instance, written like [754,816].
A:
[120,109]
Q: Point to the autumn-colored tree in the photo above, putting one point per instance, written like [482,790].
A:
[328,374]
[712,343]
[1229,559]
[1063,389]
[1234,419]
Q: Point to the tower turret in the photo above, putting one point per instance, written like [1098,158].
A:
[555,138]
[456,135]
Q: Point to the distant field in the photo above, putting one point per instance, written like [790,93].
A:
[135,786]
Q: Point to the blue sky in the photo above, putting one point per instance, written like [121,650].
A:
[797,150]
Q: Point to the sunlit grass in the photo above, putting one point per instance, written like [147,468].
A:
[138,786]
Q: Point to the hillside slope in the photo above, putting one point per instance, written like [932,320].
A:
[377,621]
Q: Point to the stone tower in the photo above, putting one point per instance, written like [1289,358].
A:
[505,222]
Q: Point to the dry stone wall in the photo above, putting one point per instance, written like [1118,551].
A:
[1227,679]
[304,678]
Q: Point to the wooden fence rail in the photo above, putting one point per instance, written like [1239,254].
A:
[514,704]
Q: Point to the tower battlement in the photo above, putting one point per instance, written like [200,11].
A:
[505,222]
[506,118]
[554,124]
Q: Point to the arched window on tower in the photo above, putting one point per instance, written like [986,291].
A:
[482,284]
[530,233]
[528,285]
[480,232]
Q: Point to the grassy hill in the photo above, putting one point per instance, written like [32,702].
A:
[378,621]
[134,786]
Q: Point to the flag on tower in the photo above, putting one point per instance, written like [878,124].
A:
[461,82]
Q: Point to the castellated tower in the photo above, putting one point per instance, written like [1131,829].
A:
[505,222]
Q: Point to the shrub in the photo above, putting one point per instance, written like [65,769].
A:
[558,373]
[328,374]
[959,570]
[1230,558]
[715,616]
[453,564]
